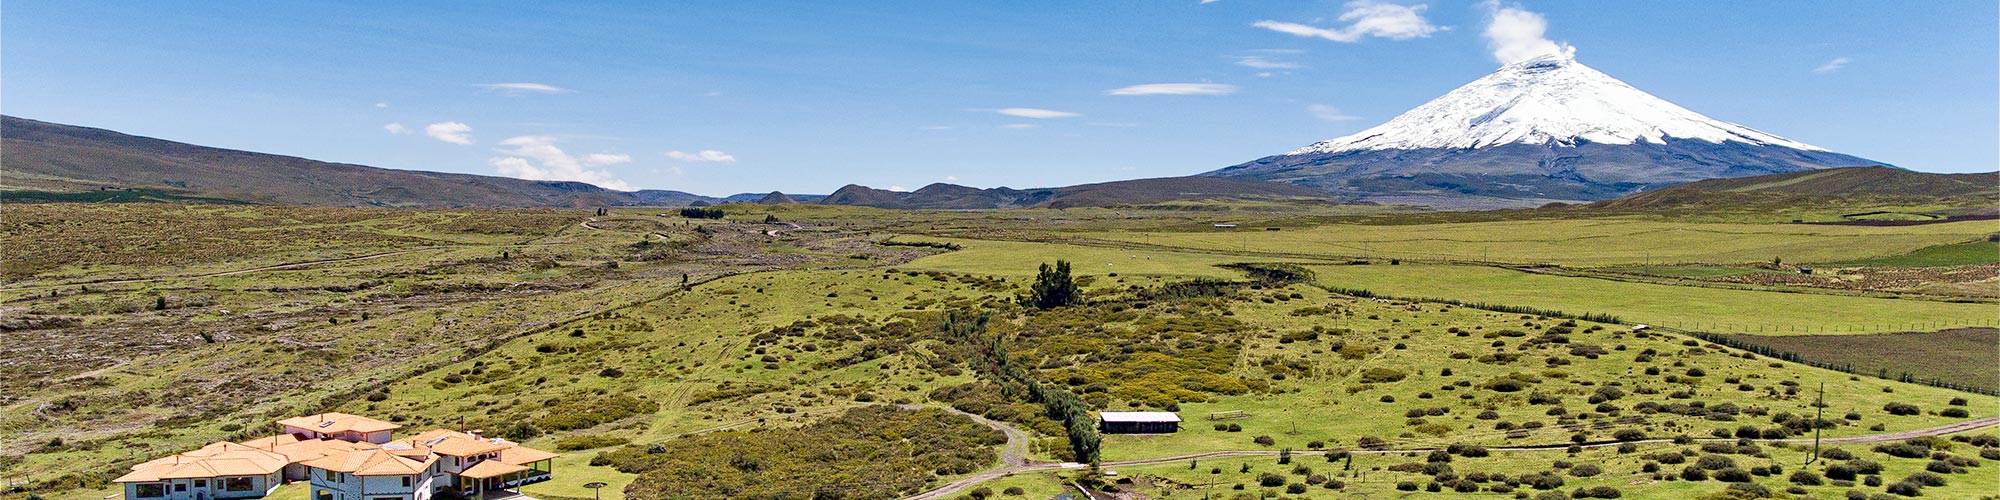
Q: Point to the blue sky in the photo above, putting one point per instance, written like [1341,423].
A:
[730,96]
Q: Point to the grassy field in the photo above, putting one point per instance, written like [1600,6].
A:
[1958,254]
[1686,307]
[559,325]
[1589,242]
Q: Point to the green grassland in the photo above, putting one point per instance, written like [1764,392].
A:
[1588,242]
[1958,254]
[558,328]
[1691,308]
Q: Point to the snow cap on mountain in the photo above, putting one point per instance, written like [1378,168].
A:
[1549,99]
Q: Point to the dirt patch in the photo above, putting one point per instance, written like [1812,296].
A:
[1964,356]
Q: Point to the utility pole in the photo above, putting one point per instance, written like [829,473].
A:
[1819,405]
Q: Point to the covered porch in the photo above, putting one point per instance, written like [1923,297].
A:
[495,475]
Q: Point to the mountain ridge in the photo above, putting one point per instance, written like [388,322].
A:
[1546,128]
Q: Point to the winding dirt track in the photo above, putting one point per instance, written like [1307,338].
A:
[1014,468]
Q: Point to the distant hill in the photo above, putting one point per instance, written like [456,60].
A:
[64,158]
[51,162]
[1817,185]
[1132,192]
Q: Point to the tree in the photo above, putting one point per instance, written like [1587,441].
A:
[1053,287]
[160,303]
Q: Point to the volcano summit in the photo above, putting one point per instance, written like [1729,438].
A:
[1544,129]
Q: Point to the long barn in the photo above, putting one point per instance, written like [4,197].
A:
[1138,422]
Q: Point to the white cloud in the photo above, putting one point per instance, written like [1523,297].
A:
[1174,89]
[1019,126]
[1834,65]
[518,88]
[601,159]
[899,189]
[1206,2]
[452,132]
[1365,18]
[1036,113]
[396,128]
[1262,62]
[1516,34]
[1330,113]
[536,157]
[951,178]
[703,156]
[381,105]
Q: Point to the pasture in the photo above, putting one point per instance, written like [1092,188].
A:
[1571,242]
[1685,307]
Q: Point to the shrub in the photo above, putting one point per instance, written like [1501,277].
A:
[1270,480]
[1901,409]
[1733,475]
[1381,375]
[1714,462]
[1596,492]
[1406,486]
[1806,477]
[1585,470]
[1628,435]
[1906,488]
[1751,490]
[1954,413]
[1693,473]
[1265,440]
[1926,479]
[573,443]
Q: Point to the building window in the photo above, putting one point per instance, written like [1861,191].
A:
[406,481]
[150,490]
[180,487]
[236,484]
[201,483]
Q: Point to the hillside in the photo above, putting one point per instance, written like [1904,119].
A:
[1116,193]
[63,158]
[1884,183]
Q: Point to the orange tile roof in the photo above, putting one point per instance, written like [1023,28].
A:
[455,443]
[330,423]
[369,462]
[215,460]
[490,468]
[522,455]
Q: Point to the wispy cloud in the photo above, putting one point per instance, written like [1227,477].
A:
[1330,113]
[1265,62]
[602,159]
[452,132]
[1019,126]
[1516,34]
[518,88]
[381,105]
[703,156]
[1365,18]
[1036,113]
[1834,65]
[1174,89]
[536,157]
[397,128]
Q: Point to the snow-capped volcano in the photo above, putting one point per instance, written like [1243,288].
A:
[1547,128]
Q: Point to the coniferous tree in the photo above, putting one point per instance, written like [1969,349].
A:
[1054,287]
